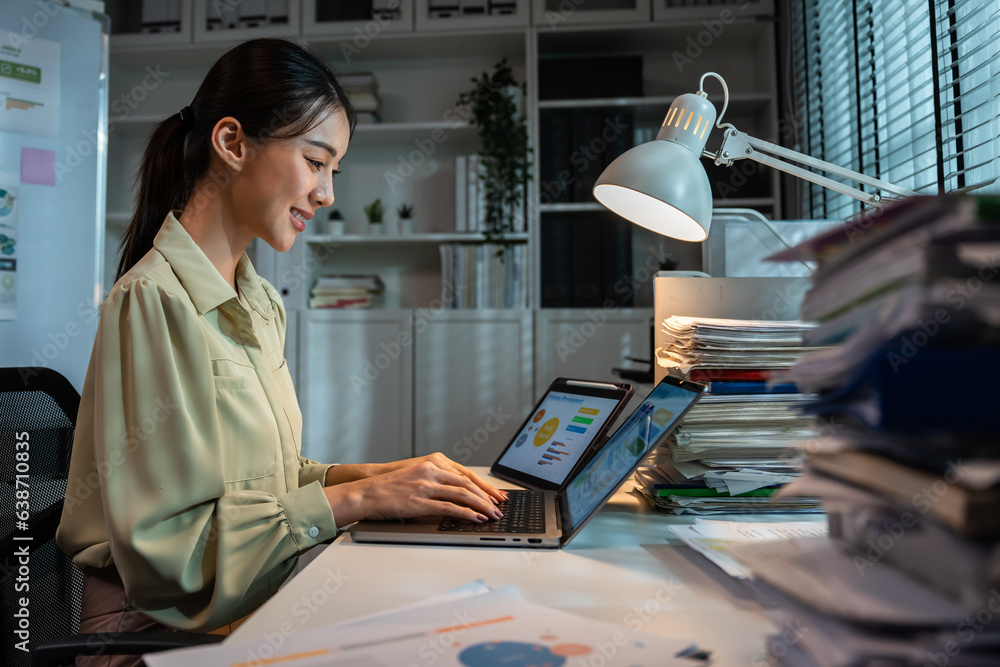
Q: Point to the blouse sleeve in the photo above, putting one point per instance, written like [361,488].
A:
[193,554]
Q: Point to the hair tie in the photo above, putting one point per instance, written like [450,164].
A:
[187,119]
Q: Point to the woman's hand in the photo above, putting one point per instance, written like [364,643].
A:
[352,472]
[430,485]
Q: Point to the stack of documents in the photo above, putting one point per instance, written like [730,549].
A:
[740,442]
[472,625]
[347,291]
[714,346]
[908,460]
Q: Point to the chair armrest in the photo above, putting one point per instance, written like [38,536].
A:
[63,650]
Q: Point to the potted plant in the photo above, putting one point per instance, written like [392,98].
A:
[405,214]
[335,222]
[495,106]
[374,213]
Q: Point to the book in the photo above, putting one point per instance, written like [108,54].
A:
[751,387]
[731,374]
[585,256]
[461,194]
[963,569]
[963,497]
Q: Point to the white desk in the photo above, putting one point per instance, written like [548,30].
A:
[619,569]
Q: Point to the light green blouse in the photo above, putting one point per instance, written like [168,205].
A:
[186,472]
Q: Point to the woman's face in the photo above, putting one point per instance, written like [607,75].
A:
[286,180]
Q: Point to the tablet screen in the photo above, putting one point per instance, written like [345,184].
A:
[557,434]
[645,428]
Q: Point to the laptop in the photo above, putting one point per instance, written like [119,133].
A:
[565,427]
[535,518]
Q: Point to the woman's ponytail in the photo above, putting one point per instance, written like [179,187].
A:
[162,186]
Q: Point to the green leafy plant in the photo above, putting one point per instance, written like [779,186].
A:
[374,211]
[505,154]
[404,211]
[335,214]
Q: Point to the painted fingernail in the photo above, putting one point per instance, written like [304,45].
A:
[481,519]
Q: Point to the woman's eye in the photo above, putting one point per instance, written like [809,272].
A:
[318,165]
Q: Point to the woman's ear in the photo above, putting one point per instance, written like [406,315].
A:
[229,142]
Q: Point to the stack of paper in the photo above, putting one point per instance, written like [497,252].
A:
[473,625]
[741,441]
[713,344]
[362,89]
[347,291]
[907,466]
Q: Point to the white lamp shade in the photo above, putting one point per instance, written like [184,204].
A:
[662,186]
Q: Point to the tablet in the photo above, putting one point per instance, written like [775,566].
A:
[564,428]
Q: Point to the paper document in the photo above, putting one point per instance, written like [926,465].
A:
[473,628]
[710,538]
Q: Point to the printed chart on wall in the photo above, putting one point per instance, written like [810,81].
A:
[8,250]
[557,434]
[29,85]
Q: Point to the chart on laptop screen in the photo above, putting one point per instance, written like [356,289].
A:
[624,449]
[557,434]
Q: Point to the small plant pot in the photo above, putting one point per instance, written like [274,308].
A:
[335,227]
[375,228]
[406,225]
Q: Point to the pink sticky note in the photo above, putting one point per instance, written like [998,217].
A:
[38,166]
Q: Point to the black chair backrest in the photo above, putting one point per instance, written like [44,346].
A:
[38,408]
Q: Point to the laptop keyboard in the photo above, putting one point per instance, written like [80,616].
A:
[523,512]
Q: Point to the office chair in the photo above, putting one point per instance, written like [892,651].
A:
[38,407]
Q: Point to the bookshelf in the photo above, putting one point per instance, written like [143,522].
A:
[421,66]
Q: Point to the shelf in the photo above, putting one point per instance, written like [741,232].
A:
[407,239]
[350,48]
[661,102]
[576,207]
[392,134]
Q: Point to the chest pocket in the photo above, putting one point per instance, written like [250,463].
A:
[289,402]
[248,434]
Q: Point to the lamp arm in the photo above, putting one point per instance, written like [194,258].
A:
[737,145]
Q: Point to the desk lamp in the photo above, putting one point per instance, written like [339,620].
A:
[661,185]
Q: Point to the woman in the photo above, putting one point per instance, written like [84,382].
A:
[188,502]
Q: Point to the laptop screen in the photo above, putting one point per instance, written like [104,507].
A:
[557,435]
[645,428]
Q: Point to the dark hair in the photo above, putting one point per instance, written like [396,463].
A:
[273,87]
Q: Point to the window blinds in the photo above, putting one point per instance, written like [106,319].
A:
[904,90]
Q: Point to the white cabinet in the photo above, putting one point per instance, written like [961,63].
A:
[588,344]
[571,342]
[472,382]
[355,385]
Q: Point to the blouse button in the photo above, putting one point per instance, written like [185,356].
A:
[314,531]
